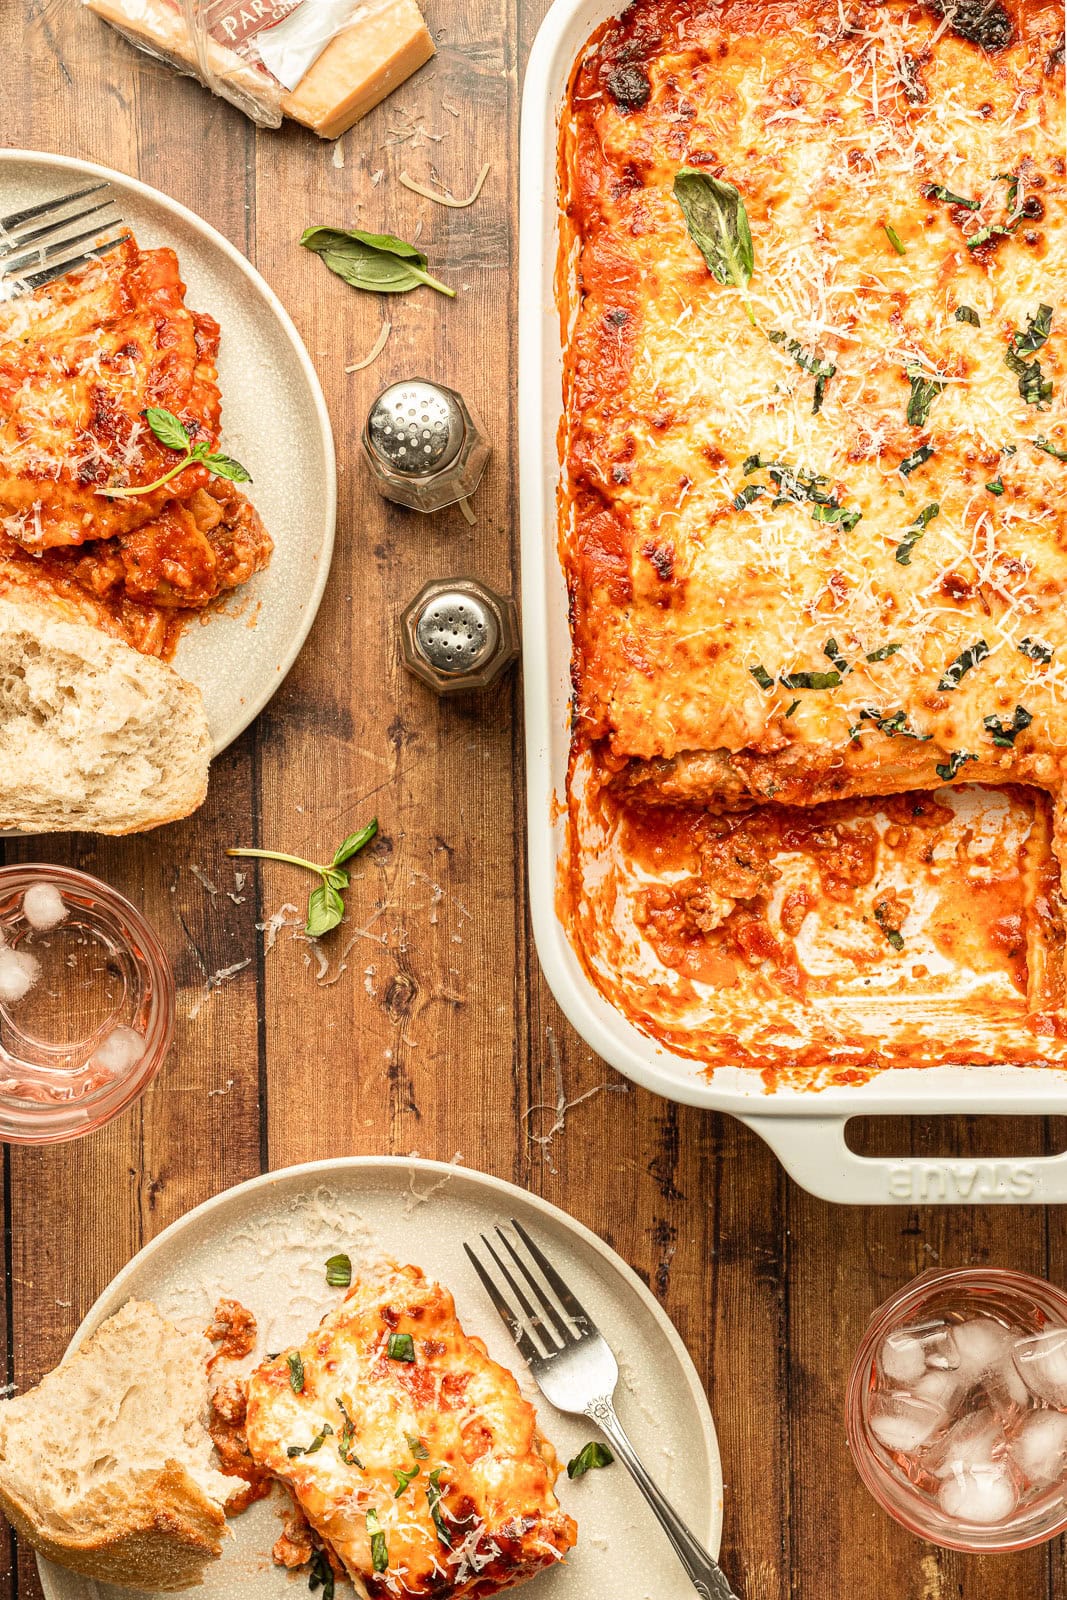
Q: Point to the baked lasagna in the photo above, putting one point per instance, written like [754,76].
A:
[813,522]
[81,360]
[411,1453]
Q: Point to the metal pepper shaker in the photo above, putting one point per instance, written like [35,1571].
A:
[424,445]
[459,634]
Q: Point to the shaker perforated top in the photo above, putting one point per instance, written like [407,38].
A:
[416,428]
[456,632]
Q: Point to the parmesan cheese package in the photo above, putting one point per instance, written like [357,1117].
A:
[324,63]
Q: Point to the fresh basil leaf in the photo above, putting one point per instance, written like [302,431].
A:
[963,663]
[591,1455]
[924,391]
[937,191]
[434,1494]
[883,652]
[762,677]
[325,910]
[893,724]
[893,935]
[379,262]
[296,1371]
[916,459]
[1035,650]
[1049,448]
[339,1271]
[404,1476]
[894,239]
[379,1550]
[810,680]
[969,315]
[1006,733]
[355,842]
[226,467]
[401,1347]
[914,533]
[996,486]
[168,428]
[955,761]
[321,1575]
[718,225]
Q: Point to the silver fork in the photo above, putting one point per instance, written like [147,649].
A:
[576,1370]
[36,246]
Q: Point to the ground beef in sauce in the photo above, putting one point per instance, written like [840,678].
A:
[232,1330]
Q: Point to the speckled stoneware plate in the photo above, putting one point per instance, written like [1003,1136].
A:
[274,420]
[265,1243]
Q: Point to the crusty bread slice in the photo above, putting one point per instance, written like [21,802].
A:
[93,735]
[106,1467]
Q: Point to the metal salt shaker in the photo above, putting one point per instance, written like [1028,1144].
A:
[424,445]
[459,634]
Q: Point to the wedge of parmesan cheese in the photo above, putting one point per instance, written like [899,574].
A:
[364,63]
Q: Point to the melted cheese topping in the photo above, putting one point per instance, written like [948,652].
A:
[451,1412]
[832,121]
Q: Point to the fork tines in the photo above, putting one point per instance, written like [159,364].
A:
[538,1309]
[37,244]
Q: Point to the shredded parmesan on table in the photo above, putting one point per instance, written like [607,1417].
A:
[445,198]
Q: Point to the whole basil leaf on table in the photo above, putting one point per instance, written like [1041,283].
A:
[379,262]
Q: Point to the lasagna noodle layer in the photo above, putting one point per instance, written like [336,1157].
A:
[728,528]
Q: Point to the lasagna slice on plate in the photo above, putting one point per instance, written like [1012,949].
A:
[412,1454]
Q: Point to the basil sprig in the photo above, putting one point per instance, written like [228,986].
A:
[593,1454]
[172,432]
[325,905]
[718,225]
[379,262]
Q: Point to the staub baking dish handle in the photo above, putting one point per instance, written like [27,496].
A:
[814,1152]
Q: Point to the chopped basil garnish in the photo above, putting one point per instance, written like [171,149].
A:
[744,497]
[892,724]
[847,519]
[1011,222]
[793,485]
[894,238]
[417,1448]
[379,1550]
[404,1476]
[883,652]
[1006,733]
[997,485]
[914,533]
[315,1445]
[916,459]
[955,761]
[924,391]
[937,191]
[762,677]
[321,1575]
[1049,448]
[717,221]
[344,1443]
[593,1454]
[1035,334]
[963,663]
[821,371]
[1035,650]
[893,935]
[339,1272]
[969,315]
[833,654]
[401,1347]
[792,707]
[1034,387]
[810,680]
[296,1371]
[434,1492]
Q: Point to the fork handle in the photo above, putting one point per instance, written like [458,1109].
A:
[704,1573]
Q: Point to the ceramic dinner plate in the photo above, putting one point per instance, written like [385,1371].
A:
[265,1243]
[274,420]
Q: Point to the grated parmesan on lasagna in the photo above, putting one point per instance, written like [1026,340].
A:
[814,444]
[412,1454]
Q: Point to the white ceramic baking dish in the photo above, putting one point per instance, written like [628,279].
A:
[805,1129]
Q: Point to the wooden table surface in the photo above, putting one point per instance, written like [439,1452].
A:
[436,1033]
